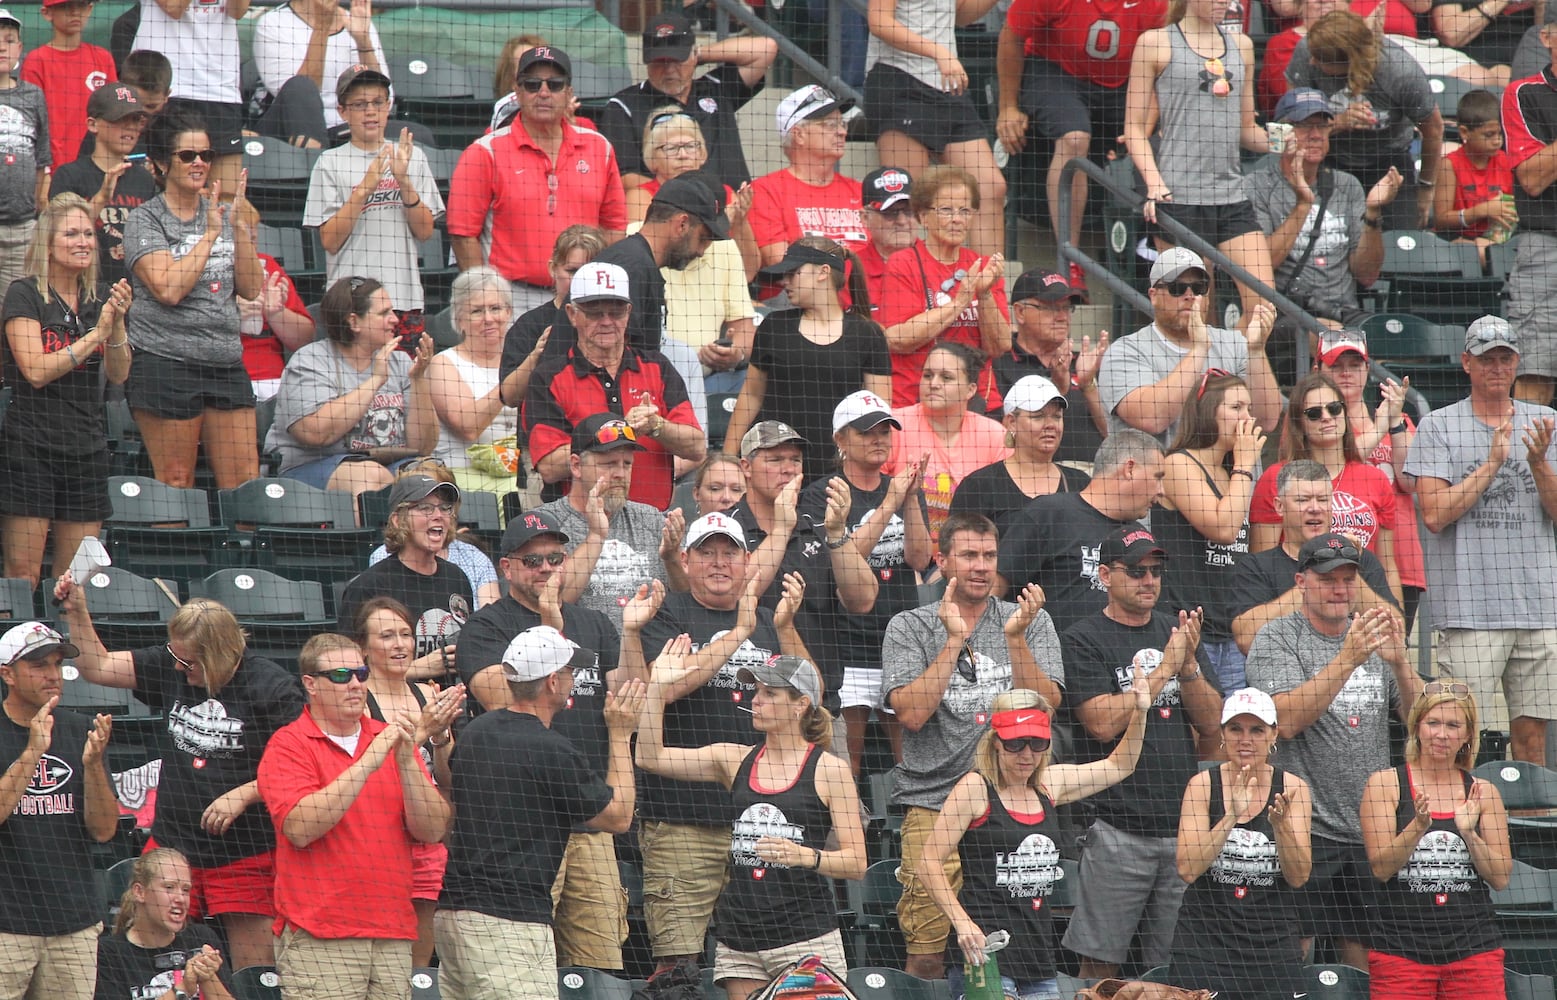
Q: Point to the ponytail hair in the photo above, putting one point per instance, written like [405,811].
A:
[142,873]
[817,727]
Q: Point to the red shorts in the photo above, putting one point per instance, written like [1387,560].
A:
[1479,977]
[247,886]
[427,864]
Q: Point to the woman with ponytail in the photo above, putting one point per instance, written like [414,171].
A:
[154,950]
[790,795]
[806,358]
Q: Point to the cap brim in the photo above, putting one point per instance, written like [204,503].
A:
[70,649]
[600,298]
[1326,565]
[692,543]
[1482,347]
[888,202]
[866,421]
[1131,558]
[620,442]
[1025,407]
[673,50]
[1330,357]
[719,226]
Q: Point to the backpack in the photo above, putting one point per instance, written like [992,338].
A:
[808,979]
[682,981]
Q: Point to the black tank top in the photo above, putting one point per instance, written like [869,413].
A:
[377,714]
[765,905]
[1238,920]
[1436,909]
[1009,866]
[1201,571]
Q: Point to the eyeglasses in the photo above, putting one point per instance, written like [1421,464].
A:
[1058,308]
[614,431]
[343,675]
[616,310]
[1141,571]
[533,85]
[1037,744]
[948,213]
[533,560]
[377,104]
[663,117]
[186,664]
[429,509]
[680,148]
[1210,374]
[357,281]
[1177,288]
[958,276]
[191,155]
[1454,689]
[1334,408]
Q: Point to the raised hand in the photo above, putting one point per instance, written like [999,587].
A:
[994,268]
[1368,632]
[1089,362]
[785,513]
[40,731]
[641,608]
[424,355]
[1424,810]
[1280,812]
[1028,603]
[950,614]
[671,665]
[359,23]
[1261,323]
[1388,186]
[794,591]
[1248,443]
[115,305]
[839,499]
[624,705]
[672,533]
[213,208]
[1392,402]
[1140,686]
[1241,790]
[97,739]
[439,712]
[400,156]
[1537,437]
[1502,435]
[641,417]
[1292,173]
[746,610]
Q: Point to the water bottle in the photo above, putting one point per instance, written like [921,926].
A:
[982,982]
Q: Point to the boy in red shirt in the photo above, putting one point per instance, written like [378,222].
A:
[1475,193]
[68,70]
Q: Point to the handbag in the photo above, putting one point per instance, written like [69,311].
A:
[1123,989]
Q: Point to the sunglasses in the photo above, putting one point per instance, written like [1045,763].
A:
[1210,374]
[1177,288]
[191,155]
[967,669]
[343,675]
[1334,409]
[555,84]
[1141,571]
[615,431]
[1037,744]
[533,560]
[1454,689]
[186,664]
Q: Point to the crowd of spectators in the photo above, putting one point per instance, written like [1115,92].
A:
[1160,571]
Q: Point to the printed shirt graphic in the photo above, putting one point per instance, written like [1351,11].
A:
[761,819]
[1247,859]
[1169,698]
[746,656]
[18,134]
[205,730]
[45,796]
[1439,863]
[1363,696]
[1030,871]
[437,628]
[888,553]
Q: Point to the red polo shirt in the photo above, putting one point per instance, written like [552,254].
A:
[507,191]
[564,391]
[355,881]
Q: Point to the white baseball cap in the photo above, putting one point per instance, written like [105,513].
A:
[595,281]
[1249,701]
[1173,262]
[714,523]
[862,410]
[811,101]
[1032,393]
[540,652]
[31,639]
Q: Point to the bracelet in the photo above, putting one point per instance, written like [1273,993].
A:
[1399,428]
[1243,472]
[1483,13]
[840,543]
[448,738]
[1377,223]
[1424,182]
[417,202]
[1191,677]
[123,342]
[659,425]
[817,864]
[70,349]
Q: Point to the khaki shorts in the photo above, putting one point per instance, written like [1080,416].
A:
[481,957]
[1520,661]
[59,966]
[761,966]
[684,870]
[589,905]
[342,968]
[925,927]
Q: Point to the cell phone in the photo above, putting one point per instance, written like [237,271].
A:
[136,157]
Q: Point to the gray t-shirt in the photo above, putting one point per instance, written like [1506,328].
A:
[941,752]
[1399,95]
[203,327]
[380,243]
[1326,284]
[629,557]
[24,141]
[1146,357]
[317,374]
[1349,741]
[1495,567]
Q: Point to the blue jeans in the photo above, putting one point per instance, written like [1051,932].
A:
[1227,663]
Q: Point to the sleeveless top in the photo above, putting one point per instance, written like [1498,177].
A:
[1010,863]
[1239,918]
[1436,909]
[422,854]
[768,905]
[1198,124]
[450,449]
[1201,570]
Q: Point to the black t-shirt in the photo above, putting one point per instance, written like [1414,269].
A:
[805,381]
[134,187]
[717,712]
[1200,571]
[858,640]
[518,790]
[47,885]
[1261,577]
[126,971]
[646,286]
[1054,540]
[712,103]
[65,416]
[213,744]
[992,492]
[524,335]
[441,602]
[1099,654]
[1079,442]
[485,639]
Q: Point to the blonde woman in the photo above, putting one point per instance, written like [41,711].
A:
[154,923]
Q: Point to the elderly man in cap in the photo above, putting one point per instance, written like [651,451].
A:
[349,795]
[1042,303]
[1147,376]
[671,57]
[1326,238]
[890,222]
[1334,675]
[809,197]
[1483,471]
[603,373]
[499,216]
[686,825]
[113,185]
[423,515]
[56,801]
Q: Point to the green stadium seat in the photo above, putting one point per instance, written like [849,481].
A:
[128,611]
[882,983]
[278,179]
[296,530]
[577,983]
[161,530]
[256,982]
[1431,277]
[1518,986]
[1336,982]
[424,984]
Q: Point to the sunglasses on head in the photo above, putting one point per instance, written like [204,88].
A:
[1037,744]
[1335,408]
[1454,689]
[1177,288]
[615,431]
[343,675]
[1210,374]
[533,560]
[1141,571]
[532,85]
[191,155]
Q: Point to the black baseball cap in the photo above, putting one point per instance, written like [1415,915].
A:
[545,54]
[885,187]
[1329,551]
[1129,545]
[531,524]
[669,36]
[693,196]
[1045,286]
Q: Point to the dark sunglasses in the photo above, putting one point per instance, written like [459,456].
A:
[533,560]
[1210,374]
[343,675]
[1037,744]
[1177,288]
[191,155]
[967,669]
[1454,689]
[1335,409]
[1141,571]
[555,84]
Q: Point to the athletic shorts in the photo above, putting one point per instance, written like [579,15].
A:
[896,101]
[223,124]
[71,488]
[1339,893]
[1216,223]
[1057,103]
[183,390]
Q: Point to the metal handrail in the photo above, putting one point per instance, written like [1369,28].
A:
[734,10]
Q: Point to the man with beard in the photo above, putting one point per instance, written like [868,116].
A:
[602,373]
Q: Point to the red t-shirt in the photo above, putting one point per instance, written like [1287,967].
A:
[1408,545]
[1398,18]
[915,281]
[874,267]
[264,357]
[355,881]
[1473,185]
[1089,39]
[1362,501]
[784,208]
[67,80]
